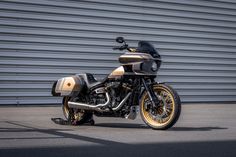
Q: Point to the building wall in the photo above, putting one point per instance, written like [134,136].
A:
[41,41]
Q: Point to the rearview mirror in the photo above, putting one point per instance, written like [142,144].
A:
[120,39]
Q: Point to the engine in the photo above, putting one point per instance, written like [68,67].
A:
[116,90]
[98,96]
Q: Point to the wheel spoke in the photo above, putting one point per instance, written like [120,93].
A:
[163,112]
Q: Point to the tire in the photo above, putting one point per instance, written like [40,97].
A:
[167,114]
[77,116]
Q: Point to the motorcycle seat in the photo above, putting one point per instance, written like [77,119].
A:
[90,80]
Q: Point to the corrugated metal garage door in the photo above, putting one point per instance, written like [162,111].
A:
[42,41]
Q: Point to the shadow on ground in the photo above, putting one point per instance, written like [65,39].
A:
[143,126]
[122,125]
[193,149]
[107,148]
[196,128]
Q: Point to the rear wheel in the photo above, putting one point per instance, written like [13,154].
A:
[166,114]
[75,115]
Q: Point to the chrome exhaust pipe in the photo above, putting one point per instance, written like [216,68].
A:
[84,106]
[122,102]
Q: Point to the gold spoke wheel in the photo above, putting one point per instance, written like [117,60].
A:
[81,116]
[167,112]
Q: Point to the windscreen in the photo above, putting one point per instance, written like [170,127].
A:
[146,47]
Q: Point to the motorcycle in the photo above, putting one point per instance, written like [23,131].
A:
[129,89]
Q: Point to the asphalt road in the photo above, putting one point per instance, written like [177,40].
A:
[202,130]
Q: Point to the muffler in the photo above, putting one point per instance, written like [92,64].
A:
[84,106]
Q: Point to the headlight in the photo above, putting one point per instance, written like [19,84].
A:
[154,67]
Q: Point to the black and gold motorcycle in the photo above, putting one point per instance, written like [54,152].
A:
[129,89]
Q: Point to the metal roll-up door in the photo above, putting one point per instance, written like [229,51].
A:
[43,40]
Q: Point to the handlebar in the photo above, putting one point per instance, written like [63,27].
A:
[116,48]
[125,46]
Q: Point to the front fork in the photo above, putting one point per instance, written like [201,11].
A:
[153,98]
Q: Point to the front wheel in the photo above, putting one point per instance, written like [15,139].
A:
[164,115]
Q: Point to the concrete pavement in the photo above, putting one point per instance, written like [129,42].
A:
[202,130]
